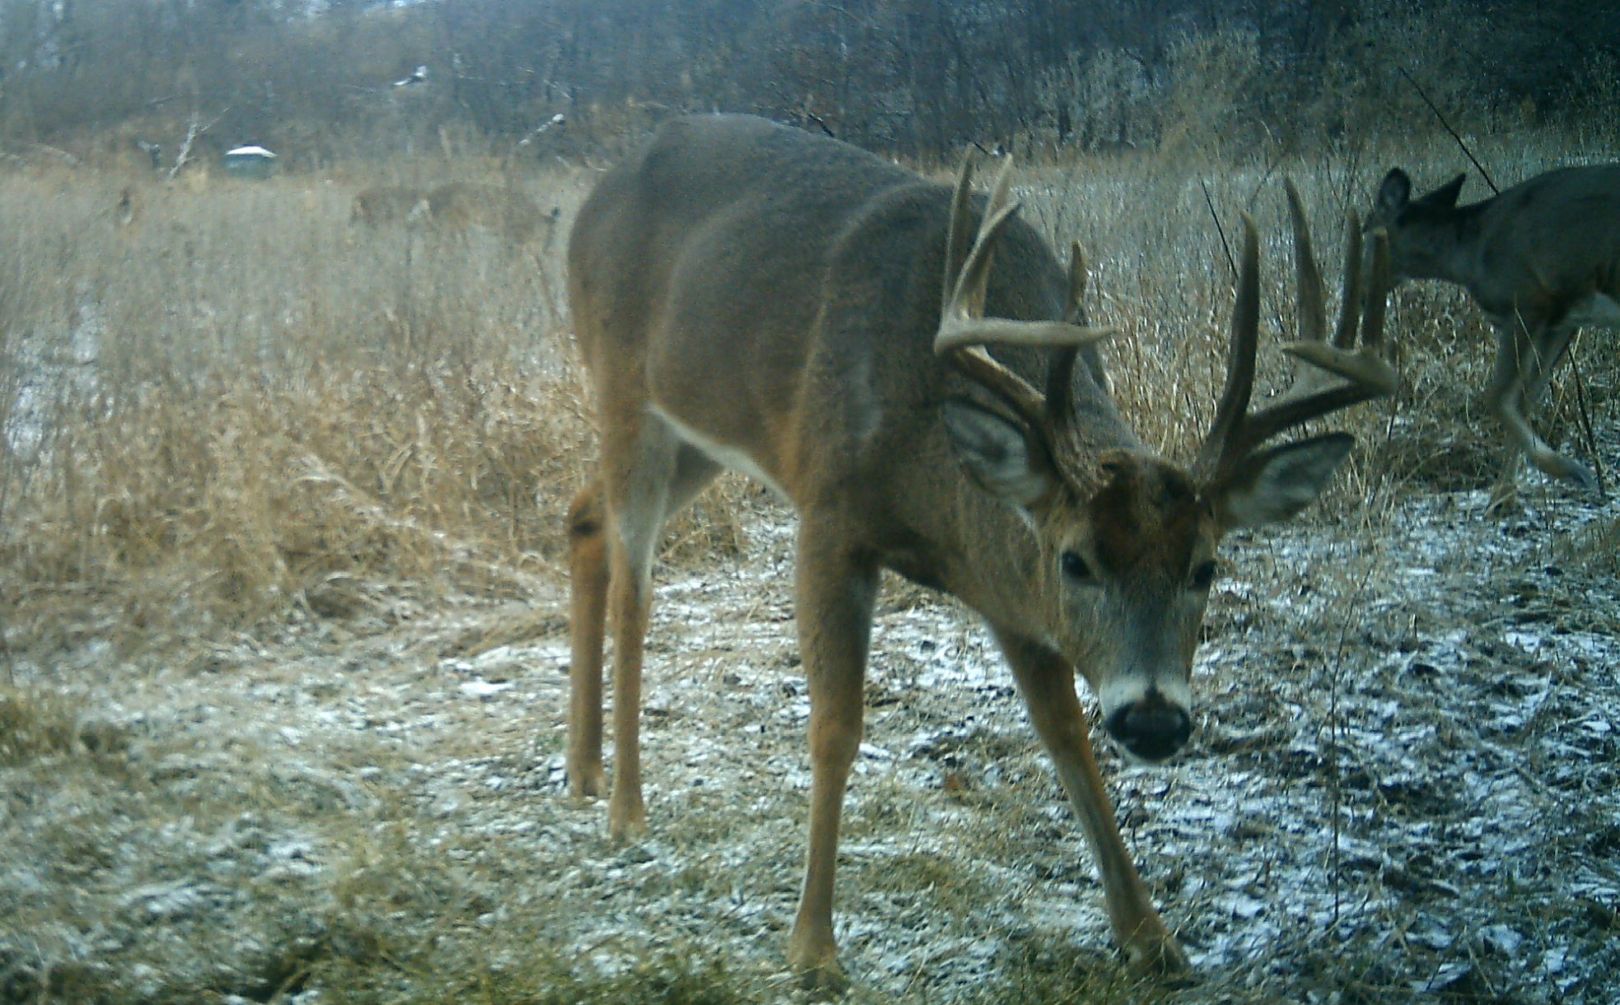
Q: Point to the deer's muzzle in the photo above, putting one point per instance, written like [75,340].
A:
[1151,727]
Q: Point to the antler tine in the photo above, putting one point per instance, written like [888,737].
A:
[1322,358]
[1060,372]
[1307,277]
[1366,375]
[973,283]
[1077,284]
[1372,324]
[968,290]
[1218,446]
[963,329]
[1344,336]
[1363,365]
[956,240]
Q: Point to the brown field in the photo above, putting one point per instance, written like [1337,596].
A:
[282,605]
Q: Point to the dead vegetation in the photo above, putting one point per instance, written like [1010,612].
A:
[280,508]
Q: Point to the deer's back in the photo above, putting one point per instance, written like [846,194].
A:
[464,205]
[1550,241]
[735,266]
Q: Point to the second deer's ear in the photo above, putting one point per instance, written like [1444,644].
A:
[1394,192]
[1446,195]
[1002,456]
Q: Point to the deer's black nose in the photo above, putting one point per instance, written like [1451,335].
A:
[1150,728]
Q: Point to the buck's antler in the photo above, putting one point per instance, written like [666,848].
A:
[1340,356]
[1236,432]
[964,331]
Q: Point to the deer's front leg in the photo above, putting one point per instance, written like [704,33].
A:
[1525,356]
[834,594]
[1047,684]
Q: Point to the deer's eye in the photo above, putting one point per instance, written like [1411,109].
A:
[1075,569]
[1203,575]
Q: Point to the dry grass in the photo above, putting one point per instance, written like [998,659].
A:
[1160,272]
[236,403]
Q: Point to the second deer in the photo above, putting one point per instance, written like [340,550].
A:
[1541,260]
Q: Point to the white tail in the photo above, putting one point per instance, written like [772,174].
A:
[1541,259]
[755,297]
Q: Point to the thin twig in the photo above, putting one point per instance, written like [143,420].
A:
[1437,114]
[192,132]
[1210,202]
[1585,417]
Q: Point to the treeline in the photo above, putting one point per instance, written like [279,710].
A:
[318,79]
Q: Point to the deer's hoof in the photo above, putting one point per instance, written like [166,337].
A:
[826,980]
[1504,502]
[586,781]
[814,960]
[1582,477]
[1558,466]
[1157,952]
[627,822]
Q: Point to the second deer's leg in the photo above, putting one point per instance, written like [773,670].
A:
[835,592]
[1047,684]
[1546,353]
[1524,358]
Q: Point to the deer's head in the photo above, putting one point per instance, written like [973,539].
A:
[1127,540]
[1422,231]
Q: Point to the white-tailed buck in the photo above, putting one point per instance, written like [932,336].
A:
[755,297]
[1541,259]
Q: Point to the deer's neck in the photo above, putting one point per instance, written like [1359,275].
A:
[1448,247]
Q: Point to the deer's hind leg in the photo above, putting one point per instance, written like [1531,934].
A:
[647,474]
[588,586]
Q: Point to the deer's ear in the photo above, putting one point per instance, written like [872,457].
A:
[1002,456]
[1274,484]
[1446,195]
[1394,192]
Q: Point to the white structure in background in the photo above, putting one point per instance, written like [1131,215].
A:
[250,162]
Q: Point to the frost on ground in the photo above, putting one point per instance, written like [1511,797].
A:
[1402,786]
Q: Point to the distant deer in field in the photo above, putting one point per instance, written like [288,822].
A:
[1541,259]
[385,205]
[753,297]
[462,206]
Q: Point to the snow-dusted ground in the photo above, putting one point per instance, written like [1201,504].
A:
[1402,784]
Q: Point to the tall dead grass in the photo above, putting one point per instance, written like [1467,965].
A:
[234,401]
[235,404]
